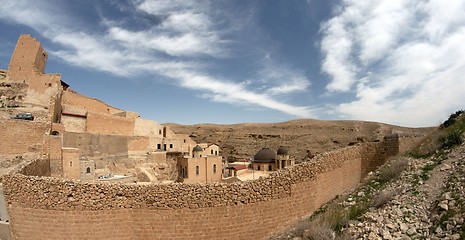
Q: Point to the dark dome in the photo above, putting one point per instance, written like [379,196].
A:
[282,151]
[265,155]
[197,149]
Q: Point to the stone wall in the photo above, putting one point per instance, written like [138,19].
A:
[96,144]
[50,208]
[109,124]
[72,98]
[20,136]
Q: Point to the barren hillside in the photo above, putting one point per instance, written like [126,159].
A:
[242,141]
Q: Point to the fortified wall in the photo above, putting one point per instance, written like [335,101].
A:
[42,207]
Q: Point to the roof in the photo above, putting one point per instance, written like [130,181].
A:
[265,155]
[197,149]
[282,151]
[237,167]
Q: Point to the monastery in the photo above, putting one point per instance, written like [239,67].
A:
[85,138]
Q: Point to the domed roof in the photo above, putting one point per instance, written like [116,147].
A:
[265,155]
[197,149]
[282,151]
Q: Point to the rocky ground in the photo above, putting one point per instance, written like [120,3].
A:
[427,201]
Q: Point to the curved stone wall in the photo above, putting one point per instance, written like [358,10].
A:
[50,208]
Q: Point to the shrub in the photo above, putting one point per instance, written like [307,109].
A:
[454,138]
[451,120]
[393,170]
[382,198]
[319,230]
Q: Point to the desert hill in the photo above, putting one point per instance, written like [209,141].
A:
[242,141]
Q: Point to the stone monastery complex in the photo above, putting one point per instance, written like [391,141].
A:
[82,169]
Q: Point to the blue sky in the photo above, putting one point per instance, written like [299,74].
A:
[399,61]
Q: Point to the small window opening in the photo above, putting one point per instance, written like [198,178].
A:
[171,145]
[214,168]
[269,168]
[197,170]
[88,170]
[159,146]
[70,164]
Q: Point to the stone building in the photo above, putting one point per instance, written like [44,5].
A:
[267,160]
[201,166]
[86,138]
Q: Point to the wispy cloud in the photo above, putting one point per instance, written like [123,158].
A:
[402,59]
[183,33]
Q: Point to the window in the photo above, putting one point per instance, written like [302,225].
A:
[159,146]
[258,167]
[197,170]
[159,132]
[212,151]
[216,152]
[70,164]
[88,170]
[171,145]
[214,168]
[269,168]
[184,140]
[164,147]
[284,163]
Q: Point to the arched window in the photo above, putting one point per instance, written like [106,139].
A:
[258,167]
[88,170]
[214,168]
[269,168]
[197,170]
[56,133]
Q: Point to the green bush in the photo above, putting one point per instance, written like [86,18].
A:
[451,120]
[454,138]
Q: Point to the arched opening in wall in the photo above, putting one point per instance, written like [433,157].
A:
[197,170]
[216,152]
[88,170]
[55,133]
[270,168]
[70,164]
[214,168]
[258,167]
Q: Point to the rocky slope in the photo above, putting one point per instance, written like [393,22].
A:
[242,141]
[426,201]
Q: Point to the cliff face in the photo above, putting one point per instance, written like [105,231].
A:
[301,137]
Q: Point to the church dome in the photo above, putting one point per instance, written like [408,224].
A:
[282,151]
[265,155]
[197,149]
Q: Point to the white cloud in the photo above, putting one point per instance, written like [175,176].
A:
[168,49]
[403,59]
